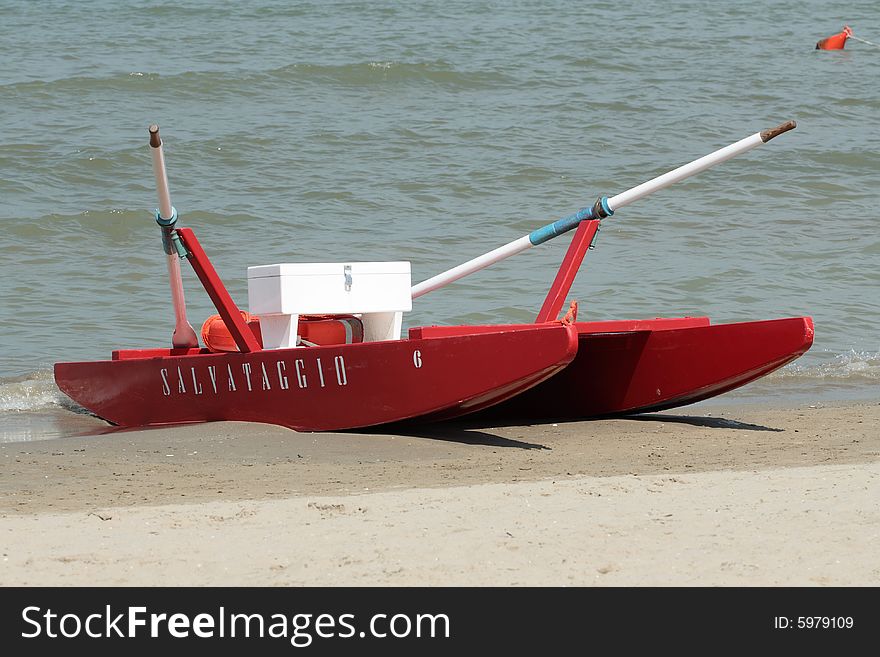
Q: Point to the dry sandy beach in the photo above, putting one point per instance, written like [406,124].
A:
[742,496]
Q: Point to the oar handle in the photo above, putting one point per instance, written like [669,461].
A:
[166,210]
[767,135]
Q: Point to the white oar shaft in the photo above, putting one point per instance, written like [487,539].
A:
[161,182]
[603,207]
[469,267]
[685,171]
[183,335]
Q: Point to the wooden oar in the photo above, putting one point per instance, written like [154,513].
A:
[604,207]
[166,216]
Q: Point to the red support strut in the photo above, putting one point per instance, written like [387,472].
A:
[229,312]
[555,299]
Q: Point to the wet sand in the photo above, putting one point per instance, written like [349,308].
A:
[747,495]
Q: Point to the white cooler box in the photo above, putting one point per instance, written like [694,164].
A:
[378,291]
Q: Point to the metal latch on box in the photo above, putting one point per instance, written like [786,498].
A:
[347,271]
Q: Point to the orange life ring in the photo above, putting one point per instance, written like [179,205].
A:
[330,329]
[312,329]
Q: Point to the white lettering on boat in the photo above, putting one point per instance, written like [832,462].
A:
[303,367]
[320,372]
[197,387]
[341,379]
[300,377]
[282,379]
[266,385]
[417,358]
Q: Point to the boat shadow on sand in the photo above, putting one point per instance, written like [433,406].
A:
[458,432]
[696,421]
[477,432]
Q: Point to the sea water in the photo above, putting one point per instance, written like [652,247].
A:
[434,132]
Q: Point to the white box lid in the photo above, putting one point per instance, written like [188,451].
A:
[327,268]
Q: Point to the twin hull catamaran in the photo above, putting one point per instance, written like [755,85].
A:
[323,349]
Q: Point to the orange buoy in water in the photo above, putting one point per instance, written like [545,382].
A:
[835,41]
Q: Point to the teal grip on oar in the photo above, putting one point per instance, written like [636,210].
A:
[600,210]
[171,243]
[548,232]
[167,246]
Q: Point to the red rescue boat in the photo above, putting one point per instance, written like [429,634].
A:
[324,387]
[322,349]
[313,388]
[639,366]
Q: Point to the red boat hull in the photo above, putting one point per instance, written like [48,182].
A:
[625,367]
[321,388]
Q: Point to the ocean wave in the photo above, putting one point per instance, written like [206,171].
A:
[852,367]
[385,72]
[194,82]
[34,392]
[188,84]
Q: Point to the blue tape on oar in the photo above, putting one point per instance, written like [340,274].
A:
[600,210]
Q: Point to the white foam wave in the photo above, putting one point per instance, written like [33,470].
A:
[31,392]
[850,367]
